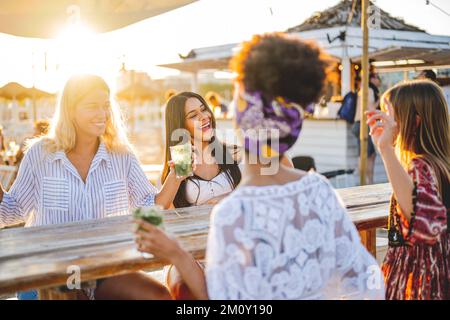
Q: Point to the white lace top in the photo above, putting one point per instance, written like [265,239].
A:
[201,191]
[292,241]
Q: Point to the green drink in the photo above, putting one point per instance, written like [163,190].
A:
[151,215]
[182,158]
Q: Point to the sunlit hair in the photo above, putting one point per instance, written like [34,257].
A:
[282,65]
[421,113]
[62,133]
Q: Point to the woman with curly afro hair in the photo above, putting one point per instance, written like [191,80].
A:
[283,234]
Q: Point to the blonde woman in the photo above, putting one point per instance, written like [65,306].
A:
[84,168]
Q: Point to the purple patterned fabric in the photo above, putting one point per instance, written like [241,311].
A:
[269,128]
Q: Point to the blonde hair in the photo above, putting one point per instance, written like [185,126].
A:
[62,133]
[421,113]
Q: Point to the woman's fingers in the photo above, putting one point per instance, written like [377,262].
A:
[374,129]
[374,115]
[155,245]
[194,162]
[171,165]
[377,116]
[144,236]
[146,241]
[151,234]
[145,246]
[390,109]
[144,225]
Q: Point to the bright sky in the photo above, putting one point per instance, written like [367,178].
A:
[159,40]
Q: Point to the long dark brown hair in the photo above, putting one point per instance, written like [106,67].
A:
[176,119]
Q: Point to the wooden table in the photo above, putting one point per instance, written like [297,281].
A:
[39,257]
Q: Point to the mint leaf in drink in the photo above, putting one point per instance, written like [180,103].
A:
[183,169]
[151,215]
[182,158]
[155,219]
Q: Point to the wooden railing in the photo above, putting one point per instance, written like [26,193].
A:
[41,257]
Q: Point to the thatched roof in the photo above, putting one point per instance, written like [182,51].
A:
[341,15]
[14,90]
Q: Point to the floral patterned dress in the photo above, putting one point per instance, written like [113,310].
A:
[416,266]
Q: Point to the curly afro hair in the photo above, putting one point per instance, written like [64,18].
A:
[277,64]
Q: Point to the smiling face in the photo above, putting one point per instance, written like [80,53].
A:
[198,120]
[92,113]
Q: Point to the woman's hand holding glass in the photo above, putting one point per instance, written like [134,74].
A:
[153,240]
[172,172]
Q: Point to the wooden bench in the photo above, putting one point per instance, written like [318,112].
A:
[39,257]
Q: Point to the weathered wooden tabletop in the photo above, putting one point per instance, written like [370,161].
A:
[39,257]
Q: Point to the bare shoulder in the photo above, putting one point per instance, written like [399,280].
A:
[294,174]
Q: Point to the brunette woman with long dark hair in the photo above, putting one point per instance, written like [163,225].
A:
[216,173]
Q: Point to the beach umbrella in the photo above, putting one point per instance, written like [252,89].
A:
[13,91]
[46,18]
[136,91]
[38,94]
[16,91]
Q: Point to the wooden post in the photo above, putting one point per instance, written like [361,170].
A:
[194,81]
[405,75]
[369,240]
[364,88]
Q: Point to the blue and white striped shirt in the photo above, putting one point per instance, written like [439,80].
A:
[49,190]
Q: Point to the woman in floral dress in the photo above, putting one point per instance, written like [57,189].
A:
[417,125]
